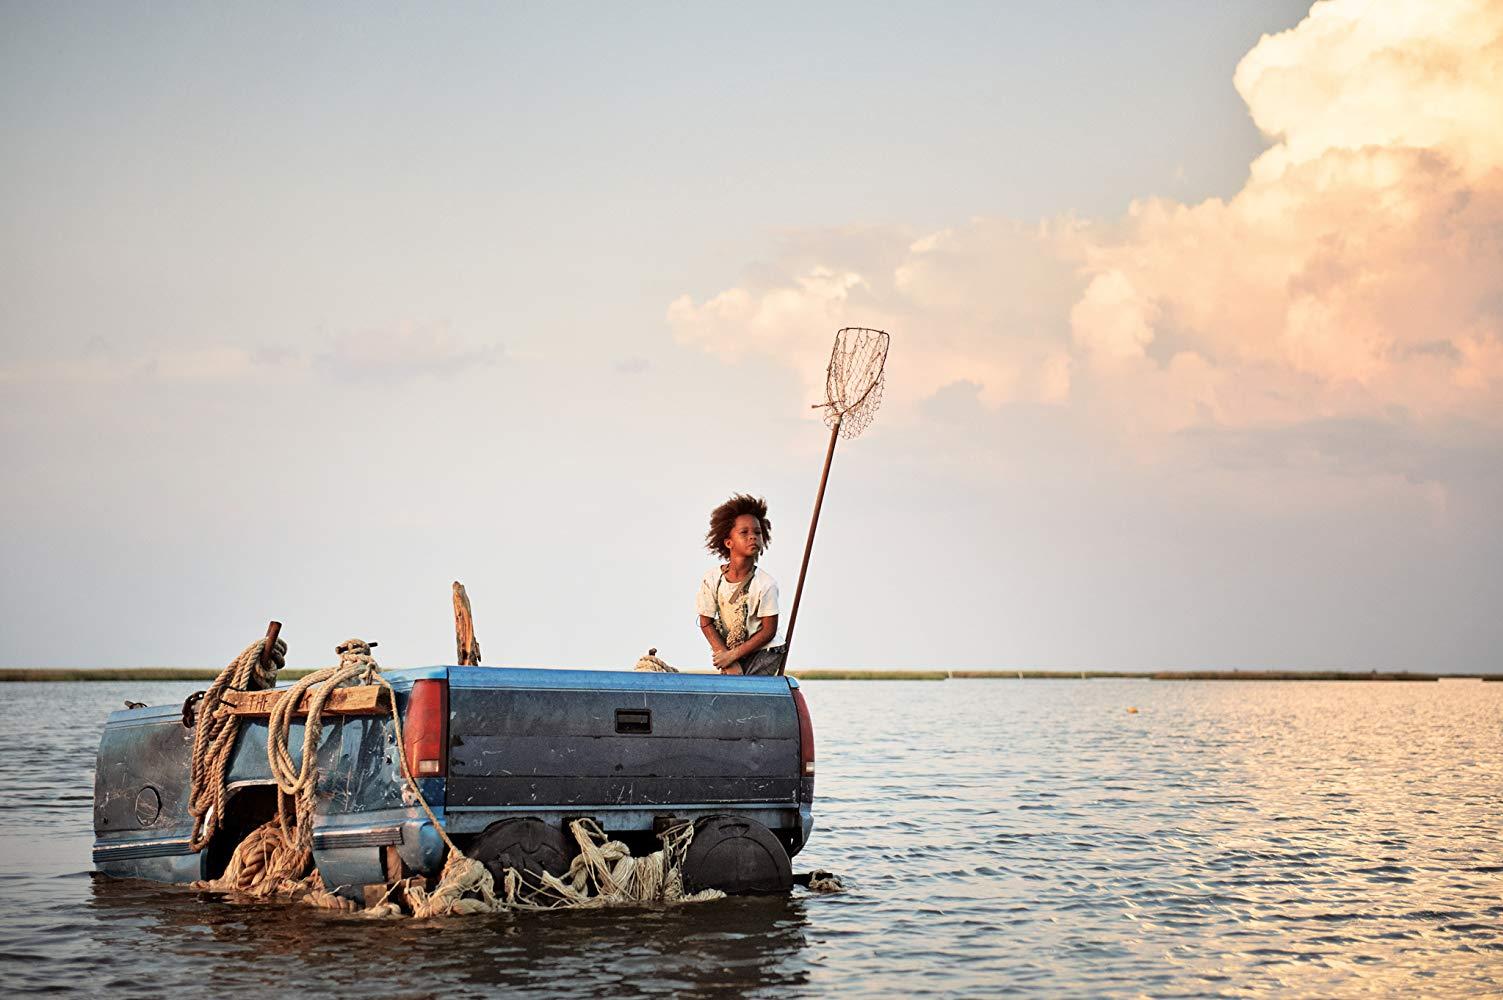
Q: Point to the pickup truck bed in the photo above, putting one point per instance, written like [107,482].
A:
[505,757]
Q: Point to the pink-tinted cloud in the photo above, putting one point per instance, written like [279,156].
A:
[1358,274]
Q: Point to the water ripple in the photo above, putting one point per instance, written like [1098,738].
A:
[999,837]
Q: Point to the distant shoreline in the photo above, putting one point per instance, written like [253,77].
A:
[195,674]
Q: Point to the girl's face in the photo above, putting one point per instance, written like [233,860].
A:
[745,539]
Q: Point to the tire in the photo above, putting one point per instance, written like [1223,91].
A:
[528,845]
[737,856]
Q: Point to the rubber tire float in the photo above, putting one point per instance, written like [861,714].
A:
[528,845]
[738,856]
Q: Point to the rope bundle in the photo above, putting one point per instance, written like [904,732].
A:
[215,733]
[653,664]
[275,859]
[298,780]
[464,886]
[605,873]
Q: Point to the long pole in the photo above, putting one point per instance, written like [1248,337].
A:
[803,570]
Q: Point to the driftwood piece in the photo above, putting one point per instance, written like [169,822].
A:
[367,699]
[466,644]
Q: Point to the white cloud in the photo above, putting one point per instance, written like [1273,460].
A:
[1357,274]
[1384,74]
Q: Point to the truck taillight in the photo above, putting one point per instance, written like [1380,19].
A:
[805,734]
[426,729]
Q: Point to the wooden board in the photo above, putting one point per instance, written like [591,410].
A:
[368,699]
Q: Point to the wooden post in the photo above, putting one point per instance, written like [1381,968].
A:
[464,629]
[273,629]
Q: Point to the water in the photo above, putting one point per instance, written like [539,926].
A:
[1029,837]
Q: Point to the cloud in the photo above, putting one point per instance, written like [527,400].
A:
[986,303]
[1382,74]
[387,354]
[634,365]
[1356,276]
[99,365]
[406,352]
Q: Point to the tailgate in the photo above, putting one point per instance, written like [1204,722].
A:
[585,738]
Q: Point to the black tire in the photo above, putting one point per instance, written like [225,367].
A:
[528,845]
[738,856]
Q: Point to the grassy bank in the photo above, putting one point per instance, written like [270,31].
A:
[1045,675]
[205,675]
[869,675]
[1289,675]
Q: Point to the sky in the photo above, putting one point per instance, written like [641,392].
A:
[1196,315]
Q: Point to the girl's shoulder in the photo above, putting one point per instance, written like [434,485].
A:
[763,580]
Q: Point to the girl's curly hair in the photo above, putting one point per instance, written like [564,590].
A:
[723,519]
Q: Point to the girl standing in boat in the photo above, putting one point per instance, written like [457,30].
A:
[737,602]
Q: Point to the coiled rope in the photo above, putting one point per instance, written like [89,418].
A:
[297,781]
[214,736]
[653,664]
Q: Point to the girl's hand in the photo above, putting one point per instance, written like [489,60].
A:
[724,658]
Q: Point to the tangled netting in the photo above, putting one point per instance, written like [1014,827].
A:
[855,379]
[276,859]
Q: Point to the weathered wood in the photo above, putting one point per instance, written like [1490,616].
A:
[364,700]
[273,629]
[467,646]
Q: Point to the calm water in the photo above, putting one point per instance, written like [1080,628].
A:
[999,837]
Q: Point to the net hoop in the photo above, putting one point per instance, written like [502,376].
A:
[855,379]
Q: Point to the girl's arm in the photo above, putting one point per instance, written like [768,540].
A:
[725,657]
[717,644]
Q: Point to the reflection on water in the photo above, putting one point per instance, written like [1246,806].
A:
[1029,836]
[196,941]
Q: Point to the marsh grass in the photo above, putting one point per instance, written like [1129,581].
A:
[205,675]
[869,675]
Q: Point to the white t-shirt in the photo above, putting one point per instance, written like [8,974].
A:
[761,600]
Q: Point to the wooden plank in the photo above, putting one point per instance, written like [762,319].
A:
[367,699]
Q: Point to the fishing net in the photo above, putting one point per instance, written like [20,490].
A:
[854,380]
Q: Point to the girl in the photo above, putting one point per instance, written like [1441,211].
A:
[737,602]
